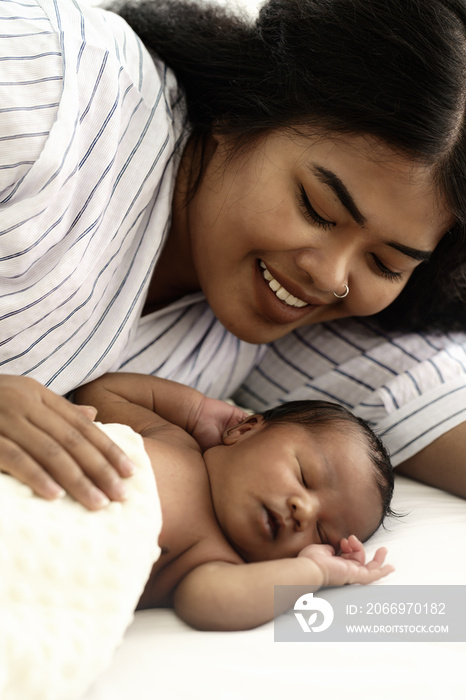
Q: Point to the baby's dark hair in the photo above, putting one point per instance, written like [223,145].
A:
[312,414]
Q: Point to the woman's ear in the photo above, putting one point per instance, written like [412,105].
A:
[247,426]
[222,142]
[214,144]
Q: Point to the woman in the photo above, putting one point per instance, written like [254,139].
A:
[314,176]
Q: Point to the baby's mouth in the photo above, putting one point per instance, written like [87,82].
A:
[273,523]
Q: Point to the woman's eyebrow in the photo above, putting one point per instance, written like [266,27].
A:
[421,255]
[327,177]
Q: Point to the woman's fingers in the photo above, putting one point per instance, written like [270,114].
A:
[89,411]
[51,445]
[86,463]
[78,432]
[42,458]
[18,463]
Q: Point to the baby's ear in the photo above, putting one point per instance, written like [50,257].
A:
[247,426]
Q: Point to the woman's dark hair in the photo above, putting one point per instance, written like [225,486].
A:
[315,414]
[392,69]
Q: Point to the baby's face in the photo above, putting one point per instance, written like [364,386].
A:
[278,488]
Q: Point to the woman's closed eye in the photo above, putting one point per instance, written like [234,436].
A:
[309,211]
[385,271]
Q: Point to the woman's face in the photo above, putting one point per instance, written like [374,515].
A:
[275,231]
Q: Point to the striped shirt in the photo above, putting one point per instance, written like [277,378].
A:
[411,388]
[90,135]
[87,134]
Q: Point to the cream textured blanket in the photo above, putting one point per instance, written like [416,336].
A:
[70,580]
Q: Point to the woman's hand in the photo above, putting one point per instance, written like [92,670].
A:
[52,445]
[211,419]
[350,566]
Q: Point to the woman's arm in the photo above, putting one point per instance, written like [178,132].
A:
[224,596]
[442,463]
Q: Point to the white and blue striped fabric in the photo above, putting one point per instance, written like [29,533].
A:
[89,124]
[410,388]
[87,134]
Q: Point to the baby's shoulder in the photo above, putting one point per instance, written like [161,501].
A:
[170,438]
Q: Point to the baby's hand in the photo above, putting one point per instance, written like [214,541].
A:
[211,419]
[349,566]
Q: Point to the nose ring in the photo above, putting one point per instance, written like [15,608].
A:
[345,293]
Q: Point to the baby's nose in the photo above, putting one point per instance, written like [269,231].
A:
[303,511]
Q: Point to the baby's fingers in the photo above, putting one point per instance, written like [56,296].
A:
[352,548]
[376,569]
[366,574]
[380,555]
[378,560]
[374,574]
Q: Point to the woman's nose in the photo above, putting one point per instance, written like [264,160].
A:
[328,266]
[303,510]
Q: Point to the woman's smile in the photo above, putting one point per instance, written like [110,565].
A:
[277,303]
[280,292]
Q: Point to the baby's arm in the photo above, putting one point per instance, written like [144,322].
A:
[223,596]
[146,403]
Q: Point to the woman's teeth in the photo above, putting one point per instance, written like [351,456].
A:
[280,291]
